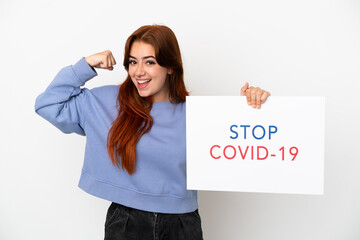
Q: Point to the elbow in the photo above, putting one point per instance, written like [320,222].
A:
[38,105]
[43,109]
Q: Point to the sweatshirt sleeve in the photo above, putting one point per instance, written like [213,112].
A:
[63,103]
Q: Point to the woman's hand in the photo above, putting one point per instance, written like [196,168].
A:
[255,96]
[103,60]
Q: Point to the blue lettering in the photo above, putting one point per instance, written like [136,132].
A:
[253,132]
[270,132]
[231,130]
[244,126]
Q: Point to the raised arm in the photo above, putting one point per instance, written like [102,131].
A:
[63,103]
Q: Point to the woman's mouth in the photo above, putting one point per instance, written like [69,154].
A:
[143,83]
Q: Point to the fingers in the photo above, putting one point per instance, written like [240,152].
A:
[264,96]
[253,96]
[244,88]
[103,60]
[256,96]
[248,95]
[109,60]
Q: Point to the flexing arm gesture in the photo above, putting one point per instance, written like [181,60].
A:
[103,60]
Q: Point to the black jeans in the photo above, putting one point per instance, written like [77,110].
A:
[123,223]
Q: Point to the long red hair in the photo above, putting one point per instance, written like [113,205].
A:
[134,119]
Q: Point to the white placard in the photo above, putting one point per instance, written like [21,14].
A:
[276,149]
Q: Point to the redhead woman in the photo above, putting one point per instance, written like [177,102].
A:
[135,152]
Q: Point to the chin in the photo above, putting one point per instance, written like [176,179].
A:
[142,94]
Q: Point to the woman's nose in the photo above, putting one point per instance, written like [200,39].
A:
[140,70]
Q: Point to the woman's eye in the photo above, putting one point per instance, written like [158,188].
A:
[151,62]
[132,62]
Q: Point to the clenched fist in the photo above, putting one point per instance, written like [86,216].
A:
[103,60]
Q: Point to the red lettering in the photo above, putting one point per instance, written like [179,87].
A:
[224,152]
[241,153]
[258,153]
[252,152]
[211,149]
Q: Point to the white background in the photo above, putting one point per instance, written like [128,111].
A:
[290,48]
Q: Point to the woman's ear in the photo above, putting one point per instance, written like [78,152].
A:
[170,71]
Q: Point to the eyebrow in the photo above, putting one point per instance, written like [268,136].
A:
[143,57]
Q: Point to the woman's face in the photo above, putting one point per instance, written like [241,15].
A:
[147,75]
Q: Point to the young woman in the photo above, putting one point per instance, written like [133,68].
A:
[135,152]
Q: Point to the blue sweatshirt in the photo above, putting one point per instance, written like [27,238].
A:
[159,181]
